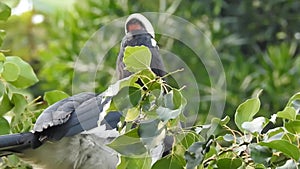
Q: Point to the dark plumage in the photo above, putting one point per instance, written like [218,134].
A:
[139,38]
[66,135]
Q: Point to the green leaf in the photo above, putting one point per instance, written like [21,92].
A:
[166,114]
[26,77]
[293,98]
[54,96]
[171,161]
[288,113]
[2,35]
[137,58]
[283,146]
[2,57]
[260,154]
[5,12]
[232,163]
[246,111]
[132,114]
[5,128]
[129,144]
[134,95]
[221,122]
[10,72]
[5,105]
[293,126]
[135,162]
[20,103]
[187,139]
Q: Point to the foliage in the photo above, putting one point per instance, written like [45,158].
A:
[258,143]
[258,44]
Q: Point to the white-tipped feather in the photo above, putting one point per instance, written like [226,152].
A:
[144,20]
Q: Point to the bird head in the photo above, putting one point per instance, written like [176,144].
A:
[137,22]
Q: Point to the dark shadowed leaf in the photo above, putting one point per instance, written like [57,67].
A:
[260,154]
[5,12]
[5,105]
[232,163]
[194,155]
[5,128]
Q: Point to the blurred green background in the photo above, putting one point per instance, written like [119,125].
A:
[257,42]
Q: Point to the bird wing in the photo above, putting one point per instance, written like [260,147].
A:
[73,115]
[60,112]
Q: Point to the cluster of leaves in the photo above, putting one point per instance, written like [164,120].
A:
[154,109]
[18,109]
[15,75]
[259,142]
[151,110]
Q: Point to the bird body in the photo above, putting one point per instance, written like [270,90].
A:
[66,135]
[73,132]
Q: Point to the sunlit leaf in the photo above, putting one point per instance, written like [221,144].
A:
[283,146]
[26,76]
[293,126]
[2,57]
[132,114]
[54,96]
[187,139]
[288,113]
[246,111]
[221,122]
[134,162]
[10,72]
[172,161]
[137,58]
[293,98]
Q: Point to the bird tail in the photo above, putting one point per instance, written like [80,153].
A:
[15,143]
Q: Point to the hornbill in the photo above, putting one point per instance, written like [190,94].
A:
[73,132]
[139,31]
